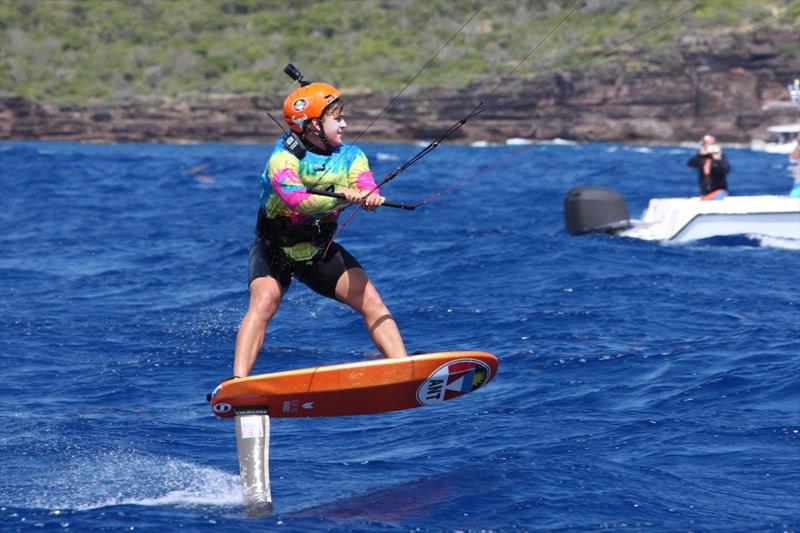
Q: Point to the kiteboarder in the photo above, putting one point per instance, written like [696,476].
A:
[295,228]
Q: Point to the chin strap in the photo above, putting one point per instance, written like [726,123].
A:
[323,137]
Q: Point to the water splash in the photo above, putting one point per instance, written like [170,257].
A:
[127,478]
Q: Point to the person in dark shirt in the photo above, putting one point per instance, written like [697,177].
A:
[712,169]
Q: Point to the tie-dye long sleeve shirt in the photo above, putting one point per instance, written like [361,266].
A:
[285,179]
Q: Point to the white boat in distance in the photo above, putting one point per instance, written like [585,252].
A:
[687,219]
[782,139]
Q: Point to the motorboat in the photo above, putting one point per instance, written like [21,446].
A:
[688,219]
[782,139]
[602,210]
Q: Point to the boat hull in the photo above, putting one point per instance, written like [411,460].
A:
[687,219]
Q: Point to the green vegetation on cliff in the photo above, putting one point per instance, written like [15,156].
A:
[77,50]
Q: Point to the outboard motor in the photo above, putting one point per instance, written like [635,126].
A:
[595,210]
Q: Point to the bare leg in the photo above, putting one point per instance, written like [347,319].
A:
[265,297]
[356,290]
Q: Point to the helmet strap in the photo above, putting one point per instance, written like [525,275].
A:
[320,133]
[324,138]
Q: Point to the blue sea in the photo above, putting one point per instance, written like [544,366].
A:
[642,386]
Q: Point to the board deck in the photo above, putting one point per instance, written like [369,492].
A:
[358,388]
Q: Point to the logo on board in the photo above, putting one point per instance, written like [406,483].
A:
[222,408]
[290,406]
[452,380]
[294,406]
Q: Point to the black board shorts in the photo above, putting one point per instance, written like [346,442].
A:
[320,274]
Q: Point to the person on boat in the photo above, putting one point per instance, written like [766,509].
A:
[794,157]
[295,228]
[712,169]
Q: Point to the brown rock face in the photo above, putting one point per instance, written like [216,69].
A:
[725,94]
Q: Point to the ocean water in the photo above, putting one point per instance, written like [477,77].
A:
[642,386]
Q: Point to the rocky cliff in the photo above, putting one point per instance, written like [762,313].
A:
[725,93]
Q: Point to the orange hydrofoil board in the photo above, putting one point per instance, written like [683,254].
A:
[356,388]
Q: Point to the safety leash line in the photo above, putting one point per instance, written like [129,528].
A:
[312,189]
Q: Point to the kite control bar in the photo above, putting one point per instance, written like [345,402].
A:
[396,205]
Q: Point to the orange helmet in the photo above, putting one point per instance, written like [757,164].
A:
[308,102]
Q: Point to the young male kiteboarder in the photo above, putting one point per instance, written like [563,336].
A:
[295,226]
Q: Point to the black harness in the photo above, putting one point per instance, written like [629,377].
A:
[281,231]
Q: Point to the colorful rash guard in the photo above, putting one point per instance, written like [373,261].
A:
[284,182]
